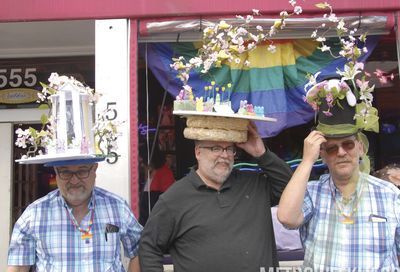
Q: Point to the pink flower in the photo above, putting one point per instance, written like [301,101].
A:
[314,106]
[382,79]
[378,72]
[329,99]
[327,113]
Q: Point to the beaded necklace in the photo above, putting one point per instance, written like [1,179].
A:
[86,234]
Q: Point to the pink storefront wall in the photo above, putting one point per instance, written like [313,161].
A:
[34,10]
[134,121]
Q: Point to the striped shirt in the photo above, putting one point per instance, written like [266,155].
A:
[371,243]
[45,236]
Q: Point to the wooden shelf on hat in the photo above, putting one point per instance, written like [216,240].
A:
[229,115]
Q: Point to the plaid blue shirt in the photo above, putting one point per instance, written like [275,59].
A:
[372,243]
[45,236]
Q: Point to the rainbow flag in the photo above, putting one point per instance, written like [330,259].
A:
[273,80]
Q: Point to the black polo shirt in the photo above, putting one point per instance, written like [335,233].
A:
[208,230]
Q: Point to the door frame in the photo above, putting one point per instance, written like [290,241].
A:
[8,118]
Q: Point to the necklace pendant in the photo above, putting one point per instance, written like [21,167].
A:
[86,236]
[347,220]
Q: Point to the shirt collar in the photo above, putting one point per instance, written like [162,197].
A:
[199,183]
[358,186]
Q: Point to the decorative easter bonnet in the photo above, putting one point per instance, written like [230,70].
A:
[70,135]
[214,120]
[216,128]
[339,115]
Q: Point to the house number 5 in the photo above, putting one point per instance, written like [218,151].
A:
[112,156]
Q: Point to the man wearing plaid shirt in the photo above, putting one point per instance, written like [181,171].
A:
[78,227]
[348,219]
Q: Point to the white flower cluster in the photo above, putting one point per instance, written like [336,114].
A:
[350,49]
[24,138]
[106,132]
[56,81]
[34,139]
[224,43]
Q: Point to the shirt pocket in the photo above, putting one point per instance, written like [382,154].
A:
[111,246]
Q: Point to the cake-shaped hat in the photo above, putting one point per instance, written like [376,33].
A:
[68,134]
[211,119]
[216,128]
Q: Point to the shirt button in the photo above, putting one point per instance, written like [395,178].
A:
[247,196]
[247,252]
[219,192]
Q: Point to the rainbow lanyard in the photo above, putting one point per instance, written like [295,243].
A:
[86,235]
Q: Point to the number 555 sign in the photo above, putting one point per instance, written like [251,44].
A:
[18,77]
[19,82]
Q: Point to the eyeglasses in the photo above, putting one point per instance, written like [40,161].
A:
[333,149]
[218,150]
[80,174]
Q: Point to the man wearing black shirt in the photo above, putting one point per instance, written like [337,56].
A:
[215,218]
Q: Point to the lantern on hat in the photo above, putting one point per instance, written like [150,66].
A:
[71,127]
[73,116]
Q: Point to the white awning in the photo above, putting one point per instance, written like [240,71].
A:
[186,30]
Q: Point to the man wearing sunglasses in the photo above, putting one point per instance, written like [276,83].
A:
[217,218]
[348,219]
[78,227]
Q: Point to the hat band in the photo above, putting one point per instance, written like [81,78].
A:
[339,129]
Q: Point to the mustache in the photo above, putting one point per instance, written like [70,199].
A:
[343,161]
[223,161]
[74,186]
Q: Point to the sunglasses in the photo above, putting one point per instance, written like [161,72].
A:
[347,145]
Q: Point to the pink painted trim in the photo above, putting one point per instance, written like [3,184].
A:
[133,120]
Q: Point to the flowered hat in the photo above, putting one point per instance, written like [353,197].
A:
[69,135]
[338,113]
